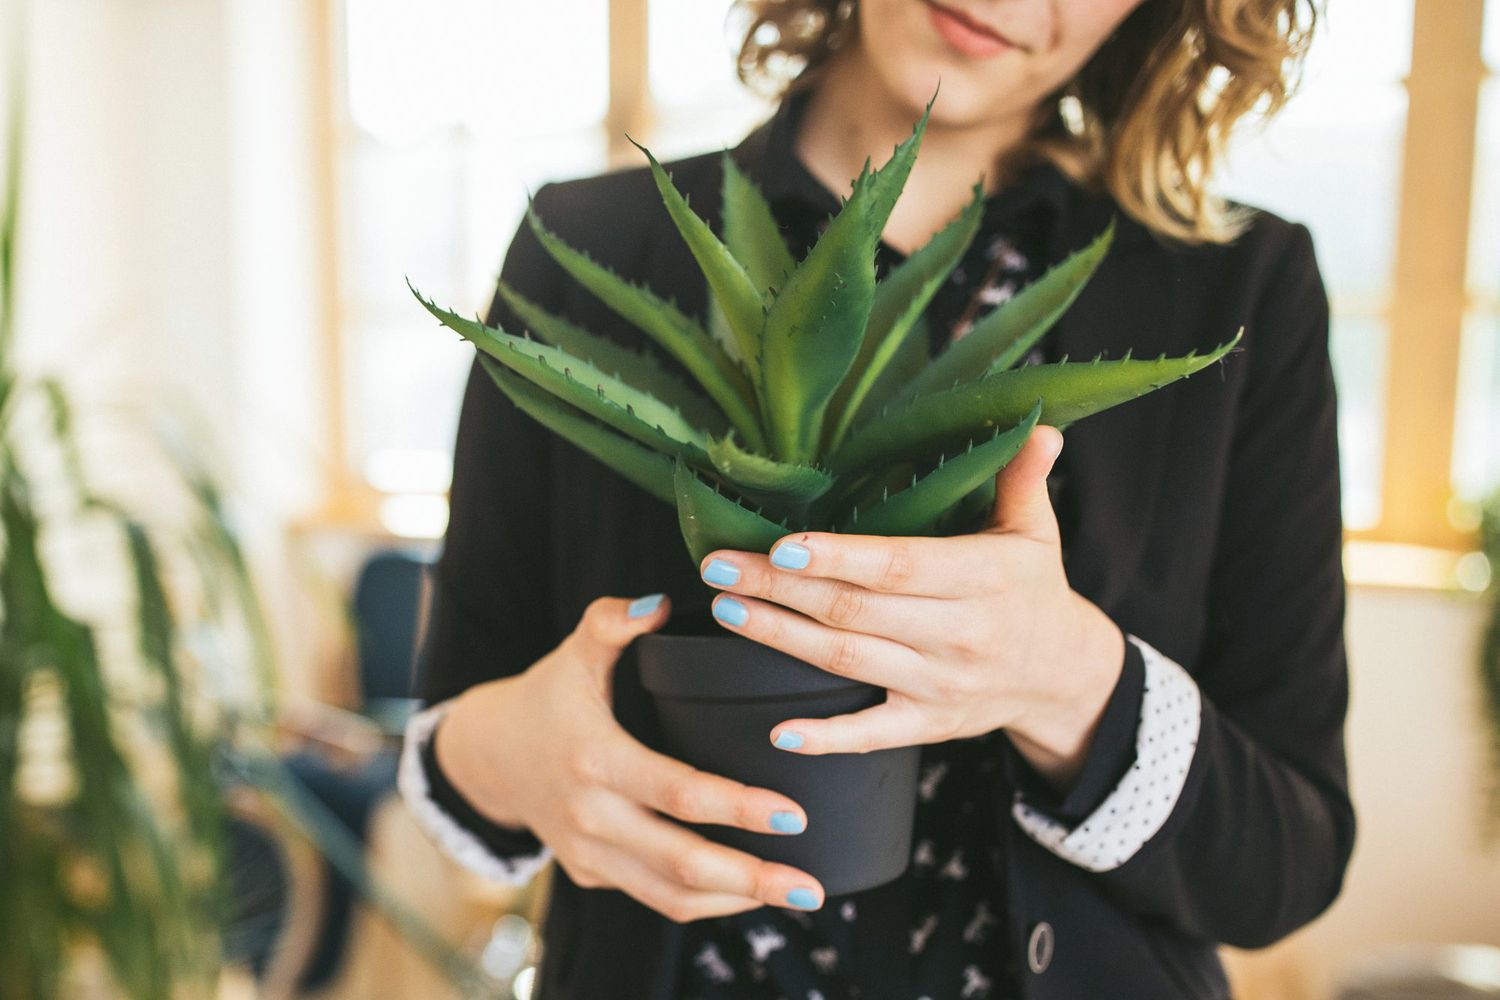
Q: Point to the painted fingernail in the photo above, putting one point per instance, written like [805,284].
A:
[721,573]
[790,555]
[789,740]
[643,606]
[787,822]
[802,899]
[731,612]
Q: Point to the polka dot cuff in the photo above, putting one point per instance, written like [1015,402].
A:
[453,839]
[1171,711]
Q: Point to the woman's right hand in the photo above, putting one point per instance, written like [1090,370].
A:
[543,750]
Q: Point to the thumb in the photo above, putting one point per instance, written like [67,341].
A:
[1022,504]
[609,624]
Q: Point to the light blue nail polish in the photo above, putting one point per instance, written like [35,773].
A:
[721,573]
[787,822]
[789,740]
[803,899]
[731,612]
[790,555]
[643,606]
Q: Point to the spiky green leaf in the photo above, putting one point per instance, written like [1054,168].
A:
[573,380]
[650,470]
[899,300]
[919,509]
[1004,335]
[727,278]
[751,232]
[766,480]
[636,368]
[816,325]
[1069,390]
[678,334]
[710,520]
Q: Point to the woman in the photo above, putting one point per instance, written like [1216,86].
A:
[1129,682]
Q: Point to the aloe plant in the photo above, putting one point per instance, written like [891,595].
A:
[816,406]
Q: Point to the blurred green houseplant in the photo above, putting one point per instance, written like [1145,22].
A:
[115,757]
[1489,648]
[816,406]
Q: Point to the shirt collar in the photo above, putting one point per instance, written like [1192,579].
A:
[784,178]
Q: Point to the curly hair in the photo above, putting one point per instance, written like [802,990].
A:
[1145,119]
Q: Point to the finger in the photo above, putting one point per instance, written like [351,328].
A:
[872,659]
[693,862]
[636,878]
[609,624]
[897,722]
[681,790]
[919,567]
[1022,504]
[913,620]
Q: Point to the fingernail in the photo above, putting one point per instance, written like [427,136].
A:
[721,573]
[731,612]
[802,899]
[787,822]
[789,740]
[790,555]
[643,606]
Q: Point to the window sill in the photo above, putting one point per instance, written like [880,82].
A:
[1414,567]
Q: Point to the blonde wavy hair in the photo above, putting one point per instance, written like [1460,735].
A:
[1147,117]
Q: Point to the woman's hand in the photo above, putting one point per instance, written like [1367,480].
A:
[969,634]
[542,750]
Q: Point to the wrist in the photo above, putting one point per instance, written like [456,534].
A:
[461,753]
[1055,736]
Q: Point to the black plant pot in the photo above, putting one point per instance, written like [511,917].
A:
[718,696]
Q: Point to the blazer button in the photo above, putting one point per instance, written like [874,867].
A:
[1039,949]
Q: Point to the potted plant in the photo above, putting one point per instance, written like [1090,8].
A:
[817,408]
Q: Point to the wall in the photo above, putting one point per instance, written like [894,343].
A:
[171,245]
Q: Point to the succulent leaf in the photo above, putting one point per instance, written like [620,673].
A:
[677,333]
[650,470]
[816,325]
[764,479]
[919,509]
[637,368]
[737,295]
[572,379]
[1006,333]
[710,520]
[963,515]
[752,233]
[1069,390]
[899,300]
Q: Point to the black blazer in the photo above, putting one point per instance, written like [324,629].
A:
[1207,522]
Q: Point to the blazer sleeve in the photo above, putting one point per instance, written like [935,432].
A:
[490,609]
[1255,826]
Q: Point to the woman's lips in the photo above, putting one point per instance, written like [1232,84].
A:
[965,35]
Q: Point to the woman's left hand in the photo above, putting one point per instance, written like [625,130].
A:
[968,633]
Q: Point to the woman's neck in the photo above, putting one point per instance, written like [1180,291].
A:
[851,115]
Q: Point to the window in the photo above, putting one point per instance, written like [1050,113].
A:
[447,118]
[1476,454]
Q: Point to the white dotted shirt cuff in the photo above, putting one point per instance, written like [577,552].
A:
[454,840]
[1171,713]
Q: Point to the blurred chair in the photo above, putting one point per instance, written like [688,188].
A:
[296,923]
